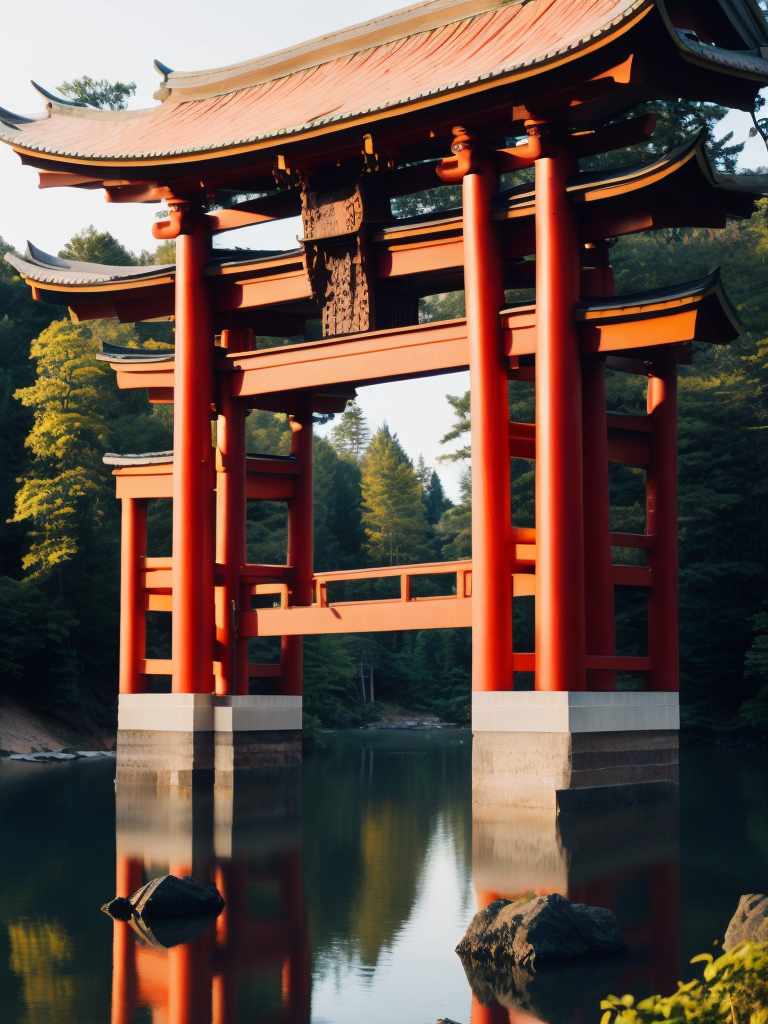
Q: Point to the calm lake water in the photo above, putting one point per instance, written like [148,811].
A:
[347,892]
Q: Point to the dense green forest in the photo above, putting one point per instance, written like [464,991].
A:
[60,412]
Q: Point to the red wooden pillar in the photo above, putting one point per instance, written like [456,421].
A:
[230,525]
[489,410]
[300,548]
[133,547]
[661,524]
[599,609]
[193,598]
[560,644]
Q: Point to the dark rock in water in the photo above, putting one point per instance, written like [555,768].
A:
[536,931]
[177,897]
[749,923]
[166,932]
[169,910]
[120,908]
[553,995]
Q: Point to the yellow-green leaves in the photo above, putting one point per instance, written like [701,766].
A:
[734,990]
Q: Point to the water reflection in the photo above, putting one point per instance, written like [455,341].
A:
[253,963]
[394,862]
[625,859]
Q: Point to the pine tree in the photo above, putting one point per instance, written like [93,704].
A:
[394,514]
[435,499]
[92,246]
[351,434]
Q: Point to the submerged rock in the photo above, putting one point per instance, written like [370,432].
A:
[749,923]
[167,899]
[537,931]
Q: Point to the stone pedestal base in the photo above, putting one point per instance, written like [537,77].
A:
[181,739]
[572,751]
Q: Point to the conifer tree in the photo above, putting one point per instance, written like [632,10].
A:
[92,246]
[435,499]
[351,434]
[394,514]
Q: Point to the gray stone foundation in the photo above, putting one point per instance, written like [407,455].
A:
[189,739]
[572,751]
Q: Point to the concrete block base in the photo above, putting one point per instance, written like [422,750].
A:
[190,739]
[572,751]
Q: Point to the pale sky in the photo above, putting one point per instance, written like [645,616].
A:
[50,42]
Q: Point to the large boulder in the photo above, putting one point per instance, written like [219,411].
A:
[168,897]
[749,923]
[537,931]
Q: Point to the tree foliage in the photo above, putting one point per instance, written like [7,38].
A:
[87,92]
[733,990]
[394,514]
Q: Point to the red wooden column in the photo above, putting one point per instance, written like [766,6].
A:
[300,548]
[560,644]
[599,609]
[489,410]
[192,579]
[661,524]
[230,524]
[133,547]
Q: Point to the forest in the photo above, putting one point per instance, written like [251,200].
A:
[375,504]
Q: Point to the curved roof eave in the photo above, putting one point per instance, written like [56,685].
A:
[632,10]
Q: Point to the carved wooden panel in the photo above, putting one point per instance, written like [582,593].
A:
[339,274]
[336,245]
[330,214]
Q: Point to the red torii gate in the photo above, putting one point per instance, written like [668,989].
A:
[563,71]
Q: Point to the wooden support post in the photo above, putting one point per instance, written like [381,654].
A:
[489,409]
[193,598]
[300,548]
[560,643]
[661,479]
[133,547]
[599,609]
[230,527]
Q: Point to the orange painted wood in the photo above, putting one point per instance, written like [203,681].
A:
[617,663]
[133,548]
[632,576]
[631,540]
[662,525]
[560,620]
[370,358]
[264,671]
[262,291]
[358,617]
[157,666]
[269,487]
[491,509]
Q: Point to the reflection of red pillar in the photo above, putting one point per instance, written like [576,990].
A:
[133,547]
[190,981]
[230,525]
[661,477]
[231,881]
[489,1014]
[560,644]
[300,548]
[124,987]
[297,969]
[491,509]
[664,883]
[193,606]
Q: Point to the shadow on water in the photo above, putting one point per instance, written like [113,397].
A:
[348,890]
